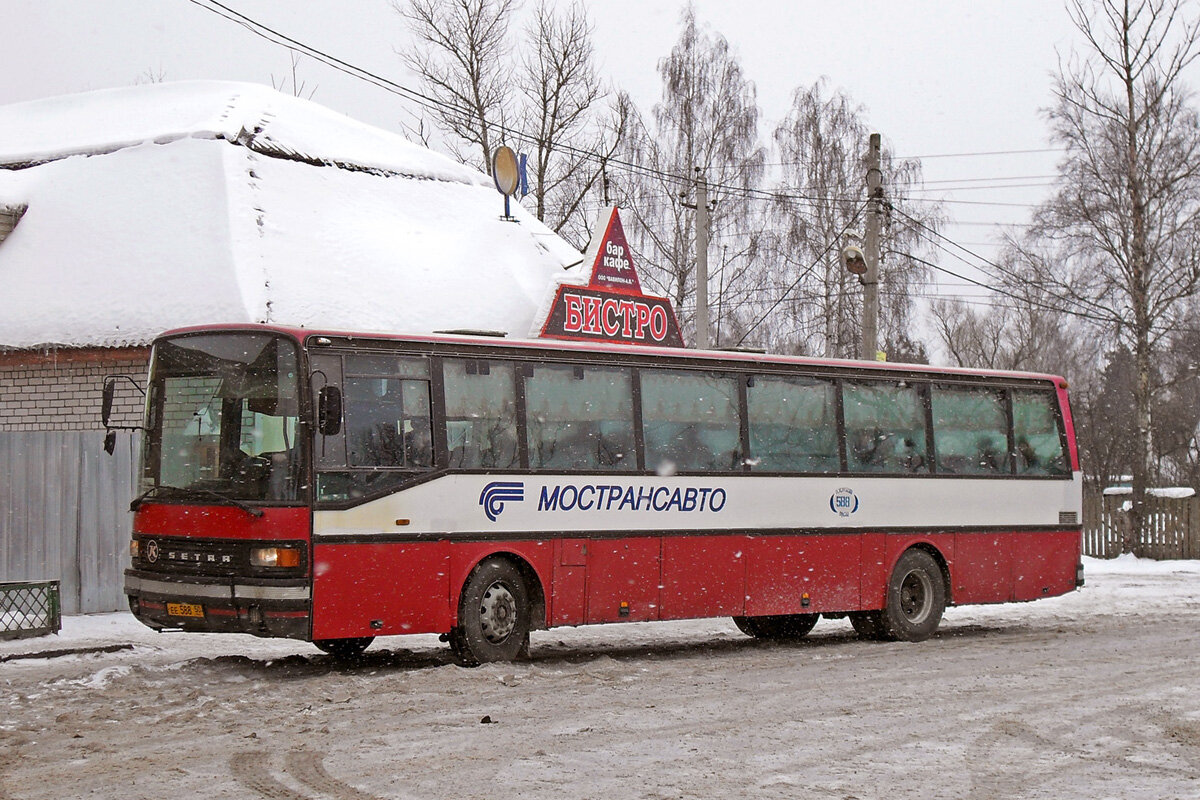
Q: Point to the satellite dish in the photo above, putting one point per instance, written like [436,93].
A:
[506,172]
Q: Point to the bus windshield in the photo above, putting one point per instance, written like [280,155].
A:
[223,419]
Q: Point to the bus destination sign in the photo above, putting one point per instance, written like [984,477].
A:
[611,307]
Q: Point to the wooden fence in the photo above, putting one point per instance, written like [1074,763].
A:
[1172,526]
[64,514]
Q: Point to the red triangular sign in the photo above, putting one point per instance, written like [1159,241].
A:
[612,260]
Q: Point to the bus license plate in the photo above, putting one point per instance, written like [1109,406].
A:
[185,610]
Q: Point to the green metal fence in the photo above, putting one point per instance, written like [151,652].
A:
[29,608]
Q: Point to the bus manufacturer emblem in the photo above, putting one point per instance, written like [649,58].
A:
[843,502]
[497,493]
[152,551]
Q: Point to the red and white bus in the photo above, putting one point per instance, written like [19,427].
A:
[334,487]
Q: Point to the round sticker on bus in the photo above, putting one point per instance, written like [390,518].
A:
[843,502]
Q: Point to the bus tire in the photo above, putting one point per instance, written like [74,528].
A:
[868,624]
[344,649]
[493,615]
[780,626]
[916,598]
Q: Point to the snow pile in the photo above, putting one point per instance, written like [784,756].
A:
[167,205]
[1170,492]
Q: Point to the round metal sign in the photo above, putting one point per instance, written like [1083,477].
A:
[506,173]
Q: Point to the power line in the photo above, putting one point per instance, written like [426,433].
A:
[1000,290]
[980,154]
[820,257]
[1001,269]
[998,178]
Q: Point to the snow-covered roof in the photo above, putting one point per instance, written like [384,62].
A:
[164,205]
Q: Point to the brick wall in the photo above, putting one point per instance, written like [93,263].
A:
[60,389]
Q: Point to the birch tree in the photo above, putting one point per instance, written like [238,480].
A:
[1126,214]
[822,144]
[705,124]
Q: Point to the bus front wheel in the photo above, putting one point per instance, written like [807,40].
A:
[916,598]
[780,626]
[493,615]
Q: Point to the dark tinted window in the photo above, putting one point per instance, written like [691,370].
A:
[970,431]
[481,414]
[580,418]
[690,421]
[387,412]
[793,425]
[1037,434]
[885,427]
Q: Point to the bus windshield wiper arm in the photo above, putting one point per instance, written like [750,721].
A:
[224,498]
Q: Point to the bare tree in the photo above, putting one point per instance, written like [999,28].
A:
[1126,215]
[588,186]
[461,56]
[298,86]
[707,121]
[560,88]
[1019,326]
[151,75]
[822,144]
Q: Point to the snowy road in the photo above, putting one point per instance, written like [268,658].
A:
[1092,695]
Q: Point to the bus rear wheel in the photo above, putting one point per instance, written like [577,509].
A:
[344,649]
[780,626]
[916,598]
[493,615]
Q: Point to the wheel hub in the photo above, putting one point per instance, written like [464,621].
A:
[916,597]
[498,613]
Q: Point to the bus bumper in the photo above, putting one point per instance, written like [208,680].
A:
[259,606]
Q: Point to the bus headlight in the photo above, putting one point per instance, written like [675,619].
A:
[133,549]
[275,557]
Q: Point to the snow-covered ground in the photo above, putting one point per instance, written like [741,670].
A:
[1095,694]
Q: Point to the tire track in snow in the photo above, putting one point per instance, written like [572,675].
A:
[307,766]
[251,770]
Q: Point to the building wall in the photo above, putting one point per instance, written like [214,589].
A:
[59,389]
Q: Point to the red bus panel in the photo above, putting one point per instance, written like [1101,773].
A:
[703,576]
[380,589]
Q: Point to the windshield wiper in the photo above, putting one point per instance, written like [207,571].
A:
[224,498]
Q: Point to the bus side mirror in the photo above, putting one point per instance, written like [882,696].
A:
[110,442]
[106,403]
[329,411]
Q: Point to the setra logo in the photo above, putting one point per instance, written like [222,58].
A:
[843,502]
[497,493]
[152,551]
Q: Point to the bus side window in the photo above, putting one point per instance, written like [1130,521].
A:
[387,412]
[690,421]
[793,425]
[1036,432]
[885,427]
[481,414]
[970,431]
[580,418]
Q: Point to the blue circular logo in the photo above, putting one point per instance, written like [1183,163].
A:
[843,502]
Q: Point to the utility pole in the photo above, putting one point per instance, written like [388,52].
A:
[702,340]
[870,279]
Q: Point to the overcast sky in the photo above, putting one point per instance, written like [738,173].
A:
[937,78]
